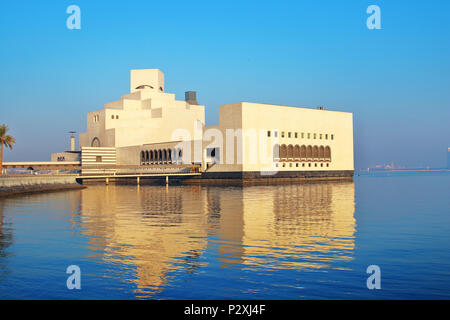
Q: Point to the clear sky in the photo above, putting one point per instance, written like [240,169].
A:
[396,80]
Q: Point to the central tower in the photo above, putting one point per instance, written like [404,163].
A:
[146,78]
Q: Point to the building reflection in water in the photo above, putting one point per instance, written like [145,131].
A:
[150,228]
[157,230]
[6,239]
[289,226]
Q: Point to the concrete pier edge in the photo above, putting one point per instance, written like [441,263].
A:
[19,185]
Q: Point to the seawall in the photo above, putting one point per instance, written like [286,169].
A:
[237,178]
[280,177]
[13,185]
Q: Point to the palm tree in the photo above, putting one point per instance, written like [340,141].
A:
[6,140]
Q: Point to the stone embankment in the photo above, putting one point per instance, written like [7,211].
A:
[20,184]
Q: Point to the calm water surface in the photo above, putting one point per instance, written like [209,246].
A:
[306,241]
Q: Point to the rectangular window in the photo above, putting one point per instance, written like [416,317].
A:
[112,116]
[332,136]
[309,135]
[296,135]
[275,134]
[289,134]
[303,135]
[117,117]
[326,136]
[268,133]
[282,134]
[320,136]
[315,135]
[98,158]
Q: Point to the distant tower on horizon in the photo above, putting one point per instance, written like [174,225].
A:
[72,140]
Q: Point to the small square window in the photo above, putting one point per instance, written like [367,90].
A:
[303,164]
[284,164]
[112,116]
[290,164]
[296,164]
[309,164]
[117,117]
[328,165]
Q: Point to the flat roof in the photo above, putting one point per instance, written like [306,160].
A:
[286,106]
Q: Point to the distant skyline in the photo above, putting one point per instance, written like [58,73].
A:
[395,80]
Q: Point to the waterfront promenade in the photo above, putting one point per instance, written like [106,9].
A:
[50,178]
[26,183]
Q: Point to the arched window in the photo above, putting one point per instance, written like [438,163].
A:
[327,153]
[303,152]
[142,157]
[144,86]
[297,151]
[159,155]
[283,152]
[95,142]
[309,152]
[164,155]
[151,156]
[290,151]
[315,152]
[169,155]
[321,152]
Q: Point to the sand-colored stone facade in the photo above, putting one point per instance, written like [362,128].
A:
[149,127]
[145,115]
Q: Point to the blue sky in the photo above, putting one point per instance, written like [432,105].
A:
[395,80]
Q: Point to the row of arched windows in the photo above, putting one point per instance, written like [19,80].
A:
[161,156]
[302,153]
